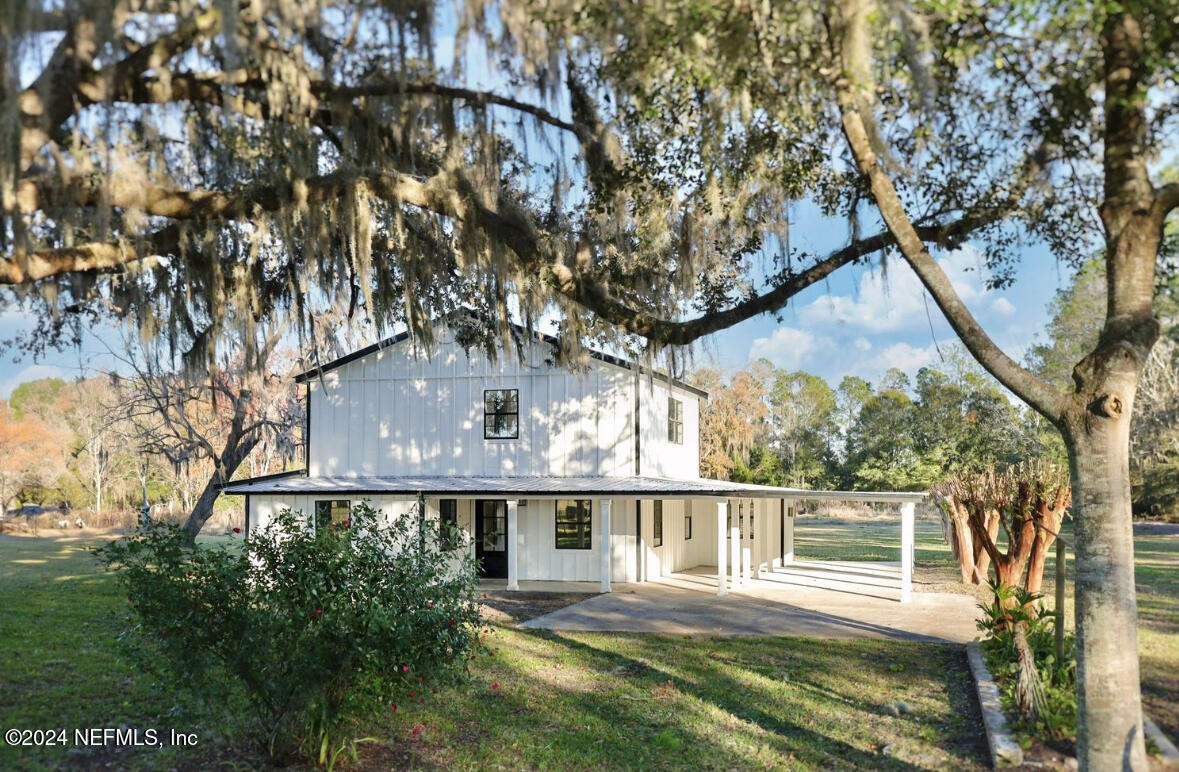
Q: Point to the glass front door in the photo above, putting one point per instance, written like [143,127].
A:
[491,537]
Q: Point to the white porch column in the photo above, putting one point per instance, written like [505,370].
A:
[755,537]
[722,518]
[735,548]
[907,544]
[642,541]
[788,542]
[604,548]
[513,529]
[746,548]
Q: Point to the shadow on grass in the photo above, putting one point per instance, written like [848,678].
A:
[641,701]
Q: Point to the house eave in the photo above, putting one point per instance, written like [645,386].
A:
[549,487]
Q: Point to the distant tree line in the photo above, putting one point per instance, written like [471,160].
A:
[897,434]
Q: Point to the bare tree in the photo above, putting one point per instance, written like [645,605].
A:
[213,421]
[93,416]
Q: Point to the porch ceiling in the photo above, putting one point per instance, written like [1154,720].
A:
[546,487]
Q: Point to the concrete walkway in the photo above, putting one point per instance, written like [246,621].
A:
[778,604]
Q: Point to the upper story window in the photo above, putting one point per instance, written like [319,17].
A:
[675,421]
[501,414]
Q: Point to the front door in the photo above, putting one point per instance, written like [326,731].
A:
[491,537]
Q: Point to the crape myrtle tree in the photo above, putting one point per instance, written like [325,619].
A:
[193,165]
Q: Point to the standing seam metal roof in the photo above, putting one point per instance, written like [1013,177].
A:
[548,486]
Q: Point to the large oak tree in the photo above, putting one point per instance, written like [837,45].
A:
[191,167]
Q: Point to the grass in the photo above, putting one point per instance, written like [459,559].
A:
[575,701]
[59,663]
[593,701]
[1156,560]
[566,700]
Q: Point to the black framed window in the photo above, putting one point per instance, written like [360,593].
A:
[574,524]
[675,421]
[657,522]
[448,516]
[501,414]
[687,527]
[332,512]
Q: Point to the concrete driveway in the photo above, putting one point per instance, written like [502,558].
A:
[687,604]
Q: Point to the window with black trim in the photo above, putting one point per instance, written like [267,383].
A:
[501,414]
[448,515]
[687,527]
[657,521]
[574,524]
[332,512]
[675,421]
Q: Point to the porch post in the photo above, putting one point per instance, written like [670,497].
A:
[735,548]
[604,547]
[760,551]
[788,539]
[907,518]
[746,546]
[722,516]
[513,529]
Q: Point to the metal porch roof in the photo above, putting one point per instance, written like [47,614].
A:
[547,486]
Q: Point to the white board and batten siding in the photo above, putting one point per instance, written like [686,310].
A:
[398,412]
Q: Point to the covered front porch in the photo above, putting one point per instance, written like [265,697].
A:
[605,530]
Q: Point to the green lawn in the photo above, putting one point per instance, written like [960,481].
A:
[570,701]
[564,700]
[1157,570]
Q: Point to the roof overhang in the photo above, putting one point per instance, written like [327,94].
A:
[549,487]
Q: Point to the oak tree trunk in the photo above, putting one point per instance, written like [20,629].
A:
[234,453]
[1108,694]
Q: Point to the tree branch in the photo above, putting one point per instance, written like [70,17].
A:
[1036,392]
[1166,199]
[69,80]
[470,96]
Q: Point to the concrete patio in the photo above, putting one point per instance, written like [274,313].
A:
[804,598]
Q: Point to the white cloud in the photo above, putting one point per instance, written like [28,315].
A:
[30,373]
[786,347]
[1003,307]
[862,344]
[893,300]
[906,358]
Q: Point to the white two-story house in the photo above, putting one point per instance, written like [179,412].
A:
[550,474]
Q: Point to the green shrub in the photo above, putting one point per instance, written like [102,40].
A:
[317,629]
[1056,718]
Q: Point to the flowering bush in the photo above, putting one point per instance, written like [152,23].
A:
[316,628]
